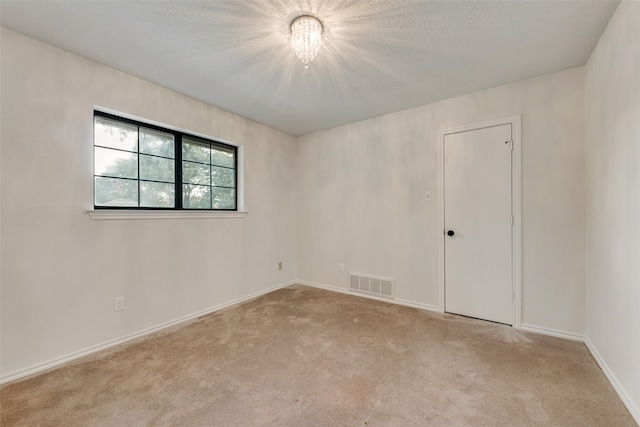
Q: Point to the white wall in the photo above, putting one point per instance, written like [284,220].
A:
[361,196]
[61,270]
[612,81]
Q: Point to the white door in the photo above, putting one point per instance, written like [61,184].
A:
[478,223]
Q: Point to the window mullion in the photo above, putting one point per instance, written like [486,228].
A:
[178,176]
[210,178]
[139,185]
[235,179]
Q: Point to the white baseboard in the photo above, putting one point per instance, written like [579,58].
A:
[552,332]
[624,396]
[44,366]
[631,406]
[398,301]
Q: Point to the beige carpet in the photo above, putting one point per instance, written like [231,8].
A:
[307,357]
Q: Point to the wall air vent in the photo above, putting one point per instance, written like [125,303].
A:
[376,286]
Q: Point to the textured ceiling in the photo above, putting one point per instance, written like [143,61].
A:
[377,56]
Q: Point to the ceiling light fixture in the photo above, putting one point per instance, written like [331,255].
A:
[306,37]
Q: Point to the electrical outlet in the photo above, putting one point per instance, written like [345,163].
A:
[118,303]
[341,268]
[280,266]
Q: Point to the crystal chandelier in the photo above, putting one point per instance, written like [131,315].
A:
[306,37]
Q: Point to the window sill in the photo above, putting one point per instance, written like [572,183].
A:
[99,214]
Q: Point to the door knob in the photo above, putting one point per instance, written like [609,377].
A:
[450,233]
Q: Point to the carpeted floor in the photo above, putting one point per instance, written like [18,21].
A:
[306,357]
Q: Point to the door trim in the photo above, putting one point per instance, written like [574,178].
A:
[516,200]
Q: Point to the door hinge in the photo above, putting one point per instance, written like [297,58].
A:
[512,220]
[513,294]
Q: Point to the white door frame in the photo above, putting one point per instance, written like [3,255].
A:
[516,236]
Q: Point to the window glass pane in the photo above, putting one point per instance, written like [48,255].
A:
[223,198]
[223,157]
[115,163]
[156,143]
[196,196]
[157,168]
[157,195]
[195,151]
[135,166]
[109,133]
[195,173]
[116,192]
[222,177]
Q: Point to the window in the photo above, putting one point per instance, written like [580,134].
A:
[142,166]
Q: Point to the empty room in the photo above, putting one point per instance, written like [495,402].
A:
[319,213]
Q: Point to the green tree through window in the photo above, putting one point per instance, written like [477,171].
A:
[143,166]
